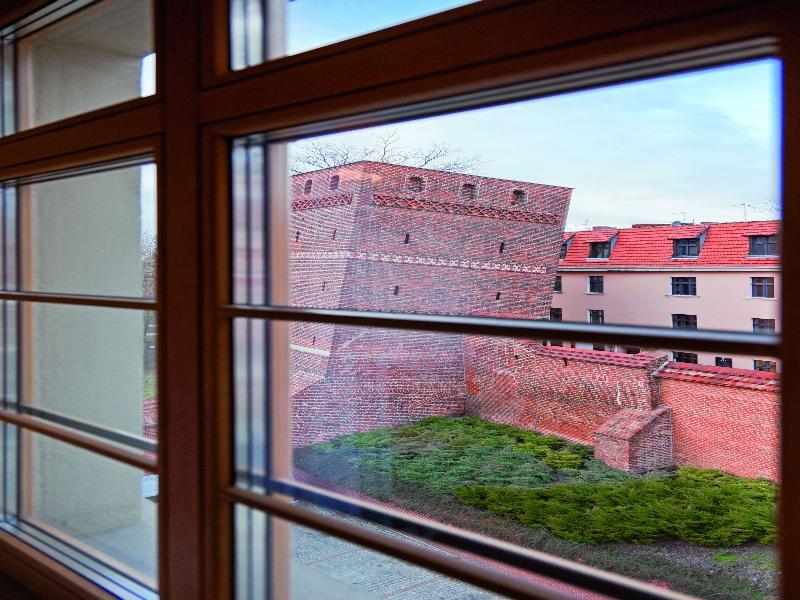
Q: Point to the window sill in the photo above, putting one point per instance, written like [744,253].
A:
[682,295]
[773,299]
[595,293]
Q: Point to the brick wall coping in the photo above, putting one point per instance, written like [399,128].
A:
[722,376]
[642,360]
[629,422]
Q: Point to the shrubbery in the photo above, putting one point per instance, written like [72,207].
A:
[545,482]
[700,506]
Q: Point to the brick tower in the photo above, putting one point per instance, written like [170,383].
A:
[384,237]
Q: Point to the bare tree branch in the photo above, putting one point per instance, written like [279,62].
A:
[385,148]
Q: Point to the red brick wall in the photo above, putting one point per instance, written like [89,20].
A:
[565,391]
[725,419]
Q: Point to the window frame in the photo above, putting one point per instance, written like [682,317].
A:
[595,284]
[193,108]
[766,285]
[683,247]
[768,241]
[600,250]
[680,283]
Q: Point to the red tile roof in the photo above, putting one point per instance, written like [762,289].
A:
[725,244]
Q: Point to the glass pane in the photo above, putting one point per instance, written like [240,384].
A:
[514,439]
[75,57]
[90,233]
[93,364]
[323,566]
[664,188]
[63,498]
[315,23]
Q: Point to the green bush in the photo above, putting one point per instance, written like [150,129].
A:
[703,507]
[563,459]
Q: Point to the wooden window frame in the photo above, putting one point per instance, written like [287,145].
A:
[200,105]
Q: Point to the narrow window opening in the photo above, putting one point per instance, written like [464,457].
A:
[416,184]
[518,197]
[469,191]
[334,184]
[408,238]
[313,340]
[397,290]
[307,188]
[324,284]
[502,247]
[333,235]
[297,236]
[497,297]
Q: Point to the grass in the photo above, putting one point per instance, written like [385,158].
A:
[513,484]
[150,387]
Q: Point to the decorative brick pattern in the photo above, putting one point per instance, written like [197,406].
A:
[321,202]
[461,209]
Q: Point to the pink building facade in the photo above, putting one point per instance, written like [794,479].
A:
[723,276]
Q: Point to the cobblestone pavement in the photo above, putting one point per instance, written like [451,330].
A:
[327,567]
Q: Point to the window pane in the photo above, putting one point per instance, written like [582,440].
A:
[315,23]
[91,500]
[88,234]
[386,415]
[84,56]
[483,433]
[323,566]
[93,364]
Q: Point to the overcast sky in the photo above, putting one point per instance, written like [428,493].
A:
[691,147]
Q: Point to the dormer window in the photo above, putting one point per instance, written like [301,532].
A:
[469,191]
[334,182]
[518,197]
[763,245]
[562,254]
[416,184]
[307,188]
[686,248]
[599,249]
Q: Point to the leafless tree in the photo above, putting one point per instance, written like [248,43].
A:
[384,148]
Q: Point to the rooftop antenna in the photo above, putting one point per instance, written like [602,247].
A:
[744,206]
[682,213]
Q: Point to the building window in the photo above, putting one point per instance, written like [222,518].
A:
[769,366]
[407,240]
[686,248]
[297,236]
[397,290]
[333,235]
[497,296]
[596,317]
[762,287]
[562,254]
[518,197]
[469,191]
[600,347]
[684,321]
[416,184]
[307,187]
[555,314]
[722,361]
[685,357]
[324,285]
[557,285]
[502,247]
[763,245]
[334,183]
[762,325]
[599,249]
[684,286]
[595,284]
[630,350]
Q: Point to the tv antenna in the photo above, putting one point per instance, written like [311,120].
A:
[745,206]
